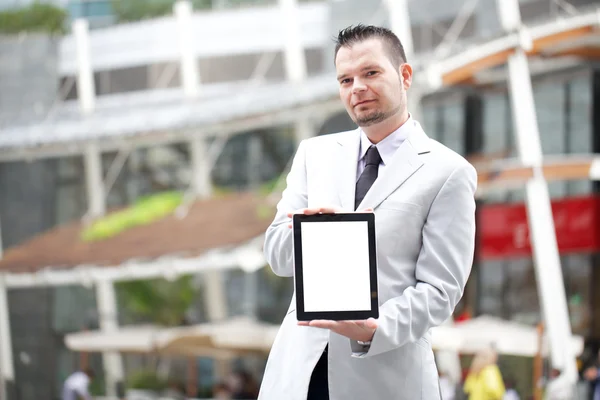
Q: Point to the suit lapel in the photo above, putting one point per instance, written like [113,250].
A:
[406,161]
[347,162]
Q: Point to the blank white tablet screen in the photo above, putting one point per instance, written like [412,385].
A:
[335,266]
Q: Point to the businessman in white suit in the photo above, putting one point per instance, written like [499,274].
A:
[422,194]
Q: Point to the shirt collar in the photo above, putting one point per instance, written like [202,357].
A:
[388,146]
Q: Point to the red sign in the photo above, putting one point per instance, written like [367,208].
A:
[504,230]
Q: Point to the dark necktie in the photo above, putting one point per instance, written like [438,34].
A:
[368,176]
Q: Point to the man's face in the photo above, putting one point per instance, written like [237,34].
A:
[371,88]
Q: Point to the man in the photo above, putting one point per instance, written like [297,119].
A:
[422,195]
[76,386]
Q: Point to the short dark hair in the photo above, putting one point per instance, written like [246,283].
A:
[356,34]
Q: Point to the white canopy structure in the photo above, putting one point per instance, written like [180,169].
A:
[219,339]
[507,337]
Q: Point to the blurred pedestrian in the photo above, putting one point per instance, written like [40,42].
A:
[511,393]
[243,386]
[484,381]
[221,391]
[559,387]
[77,385]
[447,387]
[592,374]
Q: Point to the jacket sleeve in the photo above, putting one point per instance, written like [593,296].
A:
[442,268]
[278,247]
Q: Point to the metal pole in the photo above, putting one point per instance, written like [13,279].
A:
[6,361]
[86,91]
[94,181]
[190,75]
[107,311]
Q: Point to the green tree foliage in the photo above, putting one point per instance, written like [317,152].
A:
[38,17]
[136,10]
[159,301]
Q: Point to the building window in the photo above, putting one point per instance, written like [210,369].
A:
[443,120]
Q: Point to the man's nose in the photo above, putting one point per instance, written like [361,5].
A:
[358,86]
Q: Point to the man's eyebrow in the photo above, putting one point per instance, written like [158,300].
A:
[365,68]
[370,66]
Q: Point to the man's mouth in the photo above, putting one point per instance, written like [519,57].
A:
[362,102]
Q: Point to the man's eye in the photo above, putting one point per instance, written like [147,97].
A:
[371,73]
[344,81]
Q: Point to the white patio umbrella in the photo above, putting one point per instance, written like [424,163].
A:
[221,340]
[507,337]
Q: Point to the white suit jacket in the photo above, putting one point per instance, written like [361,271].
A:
[425,225]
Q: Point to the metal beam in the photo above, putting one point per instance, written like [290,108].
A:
[247,256]
[325,107]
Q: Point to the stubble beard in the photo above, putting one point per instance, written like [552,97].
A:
[375,117]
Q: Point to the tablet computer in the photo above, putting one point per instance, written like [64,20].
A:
[335,266]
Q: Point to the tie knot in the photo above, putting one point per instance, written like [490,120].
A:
[372,156]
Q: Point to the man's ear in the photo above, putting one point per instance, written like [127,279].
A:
[405,71]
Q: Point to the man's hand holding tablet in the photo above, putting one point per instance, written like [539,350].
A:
[361,330]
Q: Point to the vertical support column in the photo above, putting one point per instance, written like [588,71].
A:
[7,374]
[94,181]
[399,20]
[1,245]
[251,277]
[400,24]
[201,184]
[303,129]
[473,144]
[294,58]
[254,162]
[107,312]
[217,308]
[190,75]
[537,199]
[86,91]
[594,304]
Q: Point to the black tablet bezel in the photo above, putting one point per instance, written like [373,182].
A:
[303,315]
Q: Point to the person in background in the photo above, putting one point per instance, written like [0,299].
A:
[447,387]
[221,391]
[484,381]
[243,386]
[592,375]
[511,393]
[77,385]
[559,387]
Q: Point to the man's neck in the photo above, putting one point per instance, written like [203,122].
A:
[377,132]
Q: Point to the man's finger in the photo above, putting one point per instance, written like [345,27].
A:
[323,323]
[371,323]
